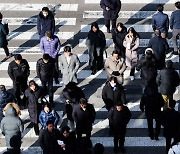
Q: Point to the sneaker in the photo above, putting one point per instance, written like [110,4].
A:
[131,78]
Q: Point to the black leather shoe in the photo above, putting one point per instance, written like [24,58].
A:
[122,149]
[108,30]
[93,72]
[156,138]
[175,53]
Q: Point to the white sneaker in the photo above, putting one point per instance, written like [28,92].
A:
[131,78]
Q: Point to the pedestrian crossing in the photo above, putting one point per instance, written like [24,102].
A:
[74,23]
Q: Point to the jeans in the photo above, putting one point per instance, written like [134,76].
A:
[175,33]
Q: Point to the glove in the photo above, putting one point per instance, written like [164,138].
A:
[115,73]
[56,81]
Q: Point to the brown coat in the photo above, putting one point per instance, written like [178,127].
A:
[112,65]
[131,54]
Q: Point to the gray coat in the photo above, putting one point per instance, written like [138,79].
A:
[69,71]
[12,127]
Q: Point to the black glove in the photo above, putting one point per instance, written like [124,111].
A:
[115,73]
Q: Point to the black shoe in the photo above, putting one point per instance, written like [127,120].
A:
[175,53]
[151,137]
[108,30]
[122,149]
[93,72]
[116,150]
[156,138]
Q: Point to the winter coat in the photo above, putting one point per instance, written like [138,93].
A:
[45,24]
[170,120]
[175,20]
[50,47]
[168,80]
[44,117]
[152,102]
[69,71]
[159,47]
[34,107]
[48,141]
[118,38]
[115,7]
[4,31]
[112,65]
[84,119]
[19,73]
[45,70]
[112,97]
[5,98]
[131,54]
[160,21]
[119,119]
[12,127]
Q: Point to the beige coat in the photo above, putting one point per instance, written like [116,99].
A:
[131,51]
[113,65]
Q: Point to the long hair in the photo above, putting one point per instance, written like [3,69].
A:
[15,106]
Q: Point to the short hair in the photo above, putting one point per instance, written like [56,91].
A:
[49,122]
[157,32]
[67,49]
[46,56]
[160,7]
[32,82]
[65,128]
[113,78]
[83,101]
[48,105]
[169,64]
[2,88]
[46,9]
[1,16]
[177,4]
[71,85]
[172,103]
[98,148]
[17,57]
[49,34]
[115,52]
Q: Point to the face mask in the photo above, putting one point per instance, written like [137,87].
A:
[45,14]
[113,84]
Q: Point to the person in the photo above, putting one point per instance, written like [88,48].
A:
[5,98]
[119,116]
[4,31]
[151,102]
[34,94]
[69,139]
[50,44]
[45,22]
[19,71]
[112,93]
[175,148]
[69,65]
[118,36]
[175,26]
[96,43]
[12,127]
[48,114]
[98,148]
[45,69]
[160,21]
[131,43]
[48,139]
[111,9]
[170,120]
[160,47]
[84,115]
[167,80]
[115,66]
[71,96]
[148,66]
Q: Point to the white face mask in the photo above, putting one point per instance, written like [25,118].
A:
[45,14]
[113,84]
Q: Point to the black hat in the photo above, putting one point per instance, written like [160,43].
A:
[119,104]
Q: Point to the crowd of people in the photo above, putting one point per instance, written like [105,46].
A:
[80,113]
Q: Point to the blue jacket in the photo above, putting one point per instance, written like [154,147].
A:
[160,21]
[4,31]
[175,20]
[44,117]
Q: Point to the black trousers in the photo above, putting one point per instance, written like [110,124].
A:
[79,135]
[132,72]
[36,128]
[6,50]
[107,23]
[119,137]
[168,142]
[150,126]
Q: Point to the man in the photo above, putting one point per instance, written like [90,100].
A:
[115,66]
[45,22]
[18,71]
[119,117]
[175,26]
[48,139]
[69,65]
[46,72]
[84,115]
[168,80]
[113,93]
[160,21]
[160,47]
[170,120]
[111,9]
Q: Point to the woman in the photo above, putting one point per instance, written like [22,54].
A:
[34,94]
[48,114]
[118,35]
[131,43]
[96,43]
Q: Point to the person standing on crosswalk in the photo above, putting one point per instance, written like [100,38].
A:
[45,22]
[69,65]
[111,9]
[19,71]
[119,116]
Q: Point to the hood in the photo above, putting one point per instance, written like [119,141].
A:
[50,15]
[3,94]
[149,49]
[10,111]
